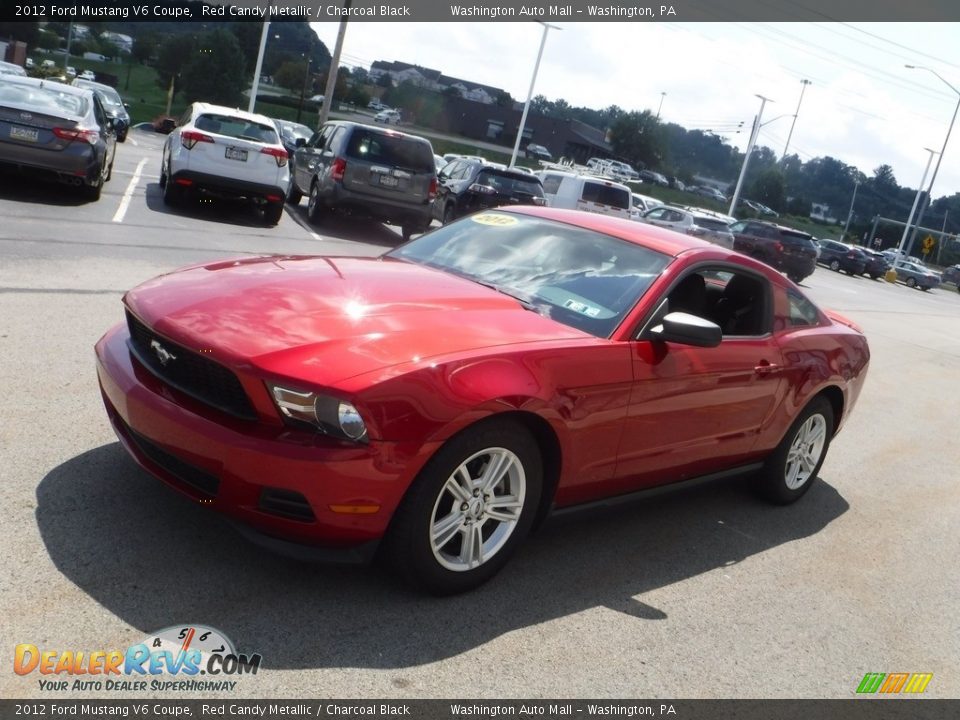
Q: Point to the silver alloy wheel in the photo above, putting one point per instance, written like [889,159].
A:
[805,451]
[477,509]
[313,200]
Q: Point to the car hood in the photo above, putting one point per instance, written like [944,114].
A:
[324,320]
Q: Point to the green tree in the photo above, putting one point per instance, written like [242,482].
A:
[769,189]
[291,75]
[172,56]
[211,74]
[639,138]
[144,47]
[504,99]
[539,104]
[28,32]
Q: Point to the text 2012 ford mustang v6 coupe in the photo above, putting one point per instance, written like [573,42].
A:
[435,403]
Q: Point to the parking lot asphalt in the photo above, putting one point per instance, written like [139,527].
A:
[705,592]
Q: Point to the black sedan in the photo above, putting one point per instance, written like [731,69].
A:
[112,103]
[57,131]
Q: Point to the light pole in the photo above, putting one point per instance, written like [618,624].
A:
[803,86]
[916,201]
[533,81]
[746,158]
[334,67]
[933,178]
[660,107]
[303,88]
[256,73]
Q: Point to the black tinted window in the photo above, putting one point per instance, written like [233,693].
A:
[393,150]
[509,184]
[711,224]
[606,195]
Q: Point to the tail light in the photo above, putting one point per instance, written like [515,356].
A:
[278,154]
[338,168]
[432,192]
[482,189]
[84,134]
[189,138]
[778,246]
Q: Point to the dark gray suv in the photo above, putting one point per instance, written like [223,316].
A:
[371,171]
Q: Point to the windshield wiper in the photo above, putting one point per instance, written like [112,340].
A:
[525,301]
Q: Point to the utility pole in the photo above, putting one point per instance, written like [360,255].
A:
[256,73]
[850,214]
[746,158]
[803,86]
[916,201]
[526,105]
[334,67]
[943,235]
[303,88]
[660,107]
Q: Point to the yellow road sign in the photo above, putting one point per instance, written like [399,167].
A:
[928,243]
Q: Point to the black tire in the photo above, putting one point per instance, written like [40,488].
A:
[172,193]
[874,276]
[122,137]
[92,192]
[314,205]
[272,213]
[835,265]
[795,277]
[911,282]
[409,547]
[449,214]
[776,481]
[109,172]
[851,273]
[294,196]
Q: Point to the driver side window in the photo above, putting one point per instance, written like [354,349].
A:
[736,301]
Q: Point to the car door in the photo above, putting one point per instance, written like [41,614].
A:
[694,410]
[308,157]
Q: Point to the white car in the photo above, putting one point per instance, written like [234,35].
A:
[642,203]
[389,117]
[87,75]
[376,105]
[12,69]
[71,71]
[707,227]
[225,152]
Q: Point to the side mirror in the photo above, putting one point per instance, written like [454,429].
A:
[126,105]
[686,329]
[299,142]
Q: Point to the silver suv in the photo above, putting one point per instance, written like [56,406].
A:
[373,171]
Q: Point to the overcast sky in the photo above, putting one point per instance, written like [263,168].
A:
[863,108]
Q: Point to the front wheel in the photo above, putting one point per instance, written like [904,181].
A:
[911,283]
[315,205]
[468,510]
[790,470]
[835,265]
[797,278]
[272,213]
[449,214]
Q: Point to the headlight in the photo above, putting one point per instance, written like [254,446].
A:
[329,415]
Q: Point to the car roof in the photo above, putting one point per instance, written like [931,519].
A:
[38,82]
[659,239]
[92,85]
[382,130]
[235,112]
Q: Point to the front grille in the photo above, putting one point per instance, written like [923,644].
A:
[286,503]
[188,474]
[202,378]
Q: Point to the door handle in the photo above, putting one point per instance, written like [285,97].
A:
[766,368]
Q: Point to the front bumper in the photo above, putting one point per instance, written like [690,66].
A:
[279,486]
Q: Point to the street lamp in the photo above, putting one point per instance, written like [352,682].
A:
[533,81]
[256,73]
[923,207]
[916,201]
[746,158]
[803,86]
[660,107]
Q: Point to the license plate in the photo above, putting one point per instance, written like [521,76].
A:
[389,181]
[234,153]
[22,133]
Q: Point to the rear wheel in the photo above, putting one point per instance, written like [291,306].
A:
[911,282]
[790,471]
[315,205]
[468,510]
[874,276]
[448,214]
[294,196]
[272,213]
[797,278]
[172,193]
[835,265]
[92,192]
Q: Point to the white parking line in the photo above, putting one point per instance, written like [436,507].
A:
[133,142]
[128,193]
[296,218]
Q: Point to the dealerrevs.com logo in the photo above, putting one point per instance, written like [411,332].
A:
[177,658]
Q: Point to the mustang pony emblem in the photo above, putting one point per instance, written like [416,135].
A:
[163,355]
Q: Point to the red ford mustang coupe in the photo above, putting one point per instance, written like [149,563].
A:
[433,404]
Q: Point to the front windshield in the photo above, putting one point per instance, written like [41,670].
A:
[575,276]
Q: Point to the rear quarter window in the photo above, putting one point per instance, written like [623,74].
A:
[551,183]
[605,195]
